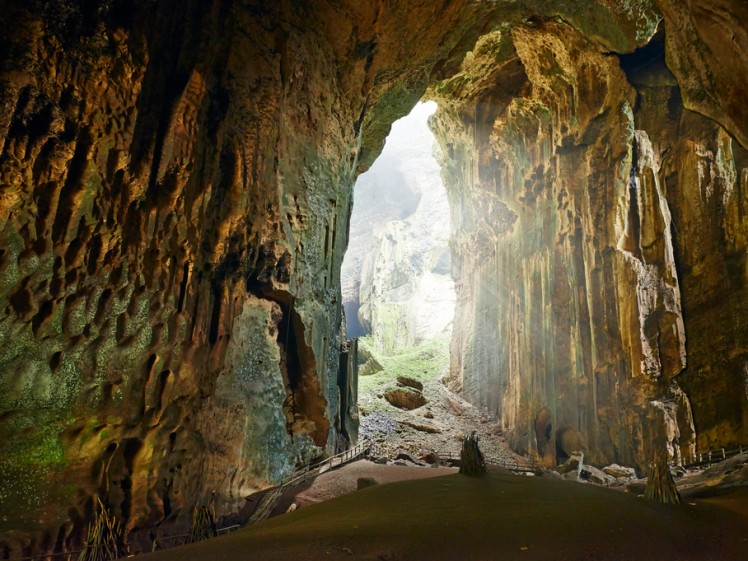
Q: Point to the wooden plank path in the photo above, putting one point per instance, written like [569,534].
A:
[714,456]
[268,501]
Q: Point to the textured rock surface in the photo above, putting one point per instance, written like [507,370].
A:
[397,282]
[405,397]
[175,190]
[176,187]
[697,34]
[571,183]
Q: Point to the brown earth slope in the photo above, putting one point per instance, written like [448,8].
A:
[485,518]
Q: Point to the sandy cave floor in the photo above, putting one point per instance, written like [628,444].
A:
[496,517]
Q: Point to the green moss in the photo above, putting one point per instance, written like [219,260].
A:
[424,362]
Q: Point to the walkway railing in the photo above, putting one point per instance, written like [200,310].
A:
[512,464]
[268,501]
[714,456]
[262,511]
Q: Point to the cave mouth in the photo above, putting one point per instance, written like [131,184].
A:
[398,291]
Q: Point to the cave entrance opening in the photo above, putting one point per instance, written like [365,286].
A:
[398,291]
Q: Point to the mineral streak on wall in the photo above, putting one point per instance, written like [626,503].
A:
[599,243]
[175,182]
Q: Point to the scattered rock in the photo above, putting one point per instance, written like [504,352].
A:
[732,472]
[364,482]
[596,476]
[410,382]
[430,458]
[428,415]
[677,471]
[569,441]
[370,367]
[620,472]
[572,465]
[376,425]
[637,487]
[405,398]
[431,429]
[406,457]
[293,507]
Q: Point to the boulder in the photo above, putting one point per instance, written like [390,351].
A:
[732,472]
[620,472]
[596,476]
[422,427]
[405,398]
[406,457]
[370,367]
[410,382]
[569,441]
[677,471]
[430,458]
[572,465]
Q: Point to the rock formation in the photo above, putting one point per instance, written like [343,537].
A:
[596,226]
[397,281]
[175,187]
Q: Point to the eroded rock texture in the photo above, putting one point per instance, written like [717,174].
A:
[175,193]
[170,320]
[578,185]
[176,184]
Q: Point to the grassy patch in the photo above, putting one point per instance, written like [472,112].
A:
[424,362]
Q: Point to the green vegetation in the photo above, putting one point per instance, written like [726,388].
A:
[424,362]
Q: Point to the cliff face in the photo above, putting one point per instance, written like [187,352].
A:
[169,287]
[397,283]
[175,193]
[587,275]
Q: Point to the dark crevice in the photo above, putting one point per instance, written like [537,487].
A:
[215,314]
[183,287]
[74,183]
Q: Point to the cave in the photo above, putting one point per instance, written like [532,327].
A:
[176,189]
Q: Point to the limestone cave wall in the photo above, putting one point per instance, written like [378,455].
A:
[176,181]
[599,246]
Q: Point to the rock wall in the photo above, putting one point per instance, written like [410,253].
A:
[596,227]
[397,282]
[169,277]
[176,180]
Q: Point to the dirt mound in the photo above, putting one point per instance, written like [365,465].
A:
[485,518]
